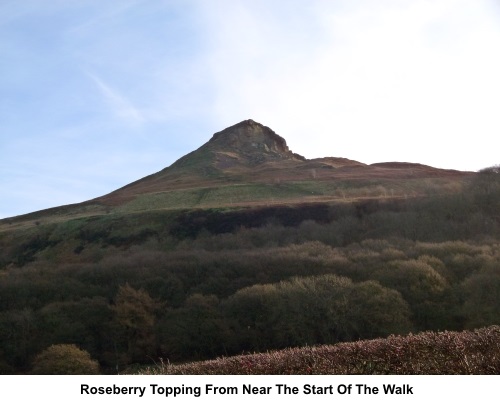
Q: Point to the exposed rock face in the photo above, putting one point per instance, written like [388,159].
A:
[252,141]
[246,144]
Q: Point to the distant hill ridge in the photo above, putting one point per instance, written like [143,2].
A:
[249,164]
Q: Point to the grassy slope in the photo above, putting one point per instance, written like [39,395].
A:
[243,194]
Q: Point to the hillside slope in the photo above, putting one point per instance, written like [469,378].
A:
[247,165]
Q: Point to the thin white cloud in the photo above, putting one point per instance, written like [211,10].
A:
[108,13]
[120,105]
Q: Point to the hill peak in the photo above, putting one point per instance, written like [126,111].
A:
[253,140]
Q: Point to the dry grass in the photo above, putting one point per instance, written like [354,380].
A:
[467,352]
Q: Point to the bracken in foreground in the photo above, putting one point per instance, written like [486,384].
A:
[467,352]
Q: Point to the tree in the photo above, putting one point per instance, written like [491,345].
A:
[420,285]
[17,328]
[135,318]
[64,359]
[481,295]
[314,310]
[194,331]
[86,323]
[251,312]
[376,311]
[485,189]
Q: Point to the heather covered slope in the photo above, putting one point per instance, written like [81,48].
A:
[467,352]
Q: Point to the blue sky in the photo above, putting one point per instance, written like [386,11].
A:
[97,94]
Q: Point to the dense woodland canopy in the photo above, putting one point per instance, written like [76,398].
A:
[196,284]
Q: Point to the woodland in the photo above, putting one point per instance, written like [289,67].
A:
[195,284]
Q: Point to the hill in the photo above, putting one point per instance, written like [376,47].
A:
[244,246]
[248,165]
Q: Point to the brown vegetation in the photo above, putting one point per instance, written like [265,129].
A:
[467,352]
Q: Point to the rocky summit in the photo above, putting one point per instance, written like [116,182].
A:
[247,143]
[253,141]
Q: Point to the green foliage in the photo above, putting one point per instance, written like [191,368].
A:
[415,279]
[481,293]
[420,285]
[312,310]
[377,311]
[64,359]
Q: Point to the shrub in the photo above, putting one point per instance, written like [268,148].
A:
[64,359]
[467,352]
